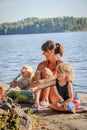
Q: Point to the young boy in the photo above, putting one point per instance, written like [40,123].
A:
[24,84]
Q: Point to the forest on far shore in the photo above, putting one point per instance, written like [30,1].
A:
[44,25]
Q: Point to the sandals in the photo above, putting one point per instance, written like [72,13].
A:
[35,108]
[44,104]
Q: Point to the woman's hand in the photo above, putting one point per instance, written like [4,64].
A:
[33,90]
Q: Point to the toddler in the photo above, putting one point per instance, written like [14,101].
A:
[65,89]
[23,83]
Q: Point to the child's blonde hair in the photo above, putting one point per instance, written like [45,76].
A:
[67,68]
[30,70]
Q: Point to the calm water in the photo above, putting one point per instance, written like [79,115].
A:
[19,50]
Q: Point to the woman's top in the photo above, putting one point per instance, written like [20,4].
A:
[24,90]
[46,64]
[62,90]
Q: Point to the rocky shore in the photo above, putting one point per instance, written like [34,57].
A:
[48,119]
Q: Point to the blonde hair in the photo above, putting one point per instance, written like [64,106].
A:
[67,68]
[30,70]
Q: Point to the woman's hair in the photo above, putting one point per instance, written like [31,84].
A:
[67,68]
[30,70]
[49,45]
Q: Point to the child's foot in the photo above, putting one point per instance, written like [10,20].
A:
[73,111]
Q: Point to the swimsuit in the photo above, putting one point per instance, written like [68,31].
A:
[25,92]
[46,64]
[63,91]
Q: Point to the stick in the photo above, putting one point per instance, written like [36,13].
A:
[44,83]
[13,80]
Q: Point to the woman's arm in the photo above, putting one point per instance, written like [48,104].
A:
[38,72]
[43,83]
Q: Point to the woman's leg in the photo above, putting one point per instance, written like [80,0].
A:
[36,105]
[37,98]
[45,92]
[49,94]
[54,96]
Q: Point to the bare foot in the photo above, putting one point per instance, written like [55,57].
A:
[73,111]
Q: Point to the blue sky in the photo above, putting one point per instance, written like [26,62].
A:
[14,10]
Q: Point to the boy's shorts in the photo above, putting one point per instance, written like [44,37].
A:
[72,105]
[77,103]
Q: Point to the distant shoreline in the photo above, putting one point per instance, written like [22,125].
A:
[44,25]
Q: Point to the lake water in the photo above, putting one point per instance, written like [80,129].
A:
[19,50]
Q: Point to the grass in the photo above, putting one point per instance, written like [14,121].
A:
[37,120]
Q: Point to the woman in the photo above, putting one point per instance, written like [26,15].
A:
[67,99]
[52,52]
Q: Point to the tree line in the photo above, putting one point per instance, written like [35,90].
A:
[44,25]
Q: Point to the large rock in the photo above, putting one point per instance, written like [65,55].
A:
[15,109]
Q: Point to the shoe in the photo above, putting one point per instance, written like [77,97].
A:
[44,104]
[35,108]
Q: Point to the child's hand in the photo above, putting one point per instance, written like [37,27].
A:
[13,83]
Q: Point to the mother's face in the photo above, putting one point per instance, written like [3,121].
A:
[49,54]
